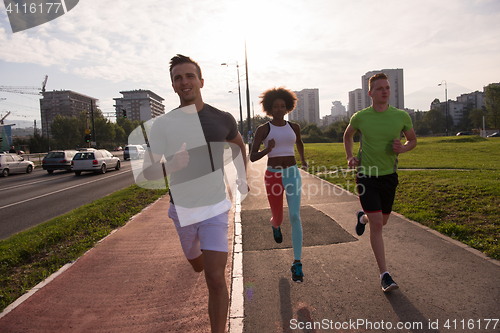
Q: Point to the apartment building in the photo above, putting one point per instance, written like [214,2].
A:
[355,105]
[66,103]
[307,108]
[140,104]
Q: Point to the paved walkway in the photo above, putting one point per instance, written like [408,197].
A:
[137,279]
[441,280]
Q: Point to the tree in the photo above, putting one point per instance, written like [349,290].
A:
[38,143]
[65,133]
[335,132]
[120,137]
[492,101]
[476,117]
[311,129]
[434,120]
[465,123]
[105,133]
[331,133]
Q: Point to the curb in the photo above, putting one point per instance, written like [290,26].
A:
[236,307]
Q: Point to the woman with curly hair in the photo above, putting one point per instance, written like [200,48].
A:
[282,175]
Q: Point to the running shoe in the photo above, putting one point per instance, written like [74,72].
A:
[388,283]
[360,227]
[297,275]
[278,237]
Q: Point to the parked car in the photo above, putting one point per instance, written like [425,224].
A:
[133,152]
[464,133]
[94,160]
[58,160]
[494,135]
[13,163]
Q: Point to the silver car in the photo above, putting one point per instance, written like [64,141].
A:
[13,163]
[94,160]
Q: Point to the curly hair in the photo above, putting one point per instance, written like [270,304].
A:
[181,59]
[268,97]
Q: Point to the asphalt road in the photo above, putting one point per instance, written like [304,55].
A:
[27,200]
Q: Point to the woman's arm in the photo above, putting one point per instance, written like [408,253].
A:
[300,146]
[255,154]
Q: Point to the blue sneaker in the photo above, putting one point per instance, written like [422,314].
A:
[278,237]
[297,275]
[360,227]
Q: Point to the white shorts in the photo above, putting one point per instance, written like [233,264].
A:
[210,234]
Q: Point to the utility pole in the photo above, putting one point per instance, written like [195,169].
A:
[248,95]
[93,123]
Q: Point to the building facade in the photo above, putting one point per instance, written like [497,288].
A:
[355,105]
[397,98]
[464,102]
[338,111]
[141,105]
[307,108]
[66,103]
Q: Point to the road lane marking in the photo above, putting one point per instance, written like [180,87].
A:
[61,190]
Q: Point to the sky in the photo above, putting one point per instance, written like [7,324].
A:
[100,48]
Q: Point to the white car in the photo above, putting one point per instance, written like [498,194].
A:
[94,160]
[13,163]
[133,152]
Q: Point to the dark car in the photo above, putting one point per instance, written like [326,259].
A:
[58,160]
[464,133]
[494,135]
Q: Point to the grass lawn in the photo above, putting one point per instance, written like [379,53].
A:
[450,184]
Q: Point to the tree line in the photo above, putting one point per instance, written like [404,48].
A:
[69,133]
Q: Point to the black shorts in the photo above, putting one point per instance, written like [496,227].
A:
[376,194]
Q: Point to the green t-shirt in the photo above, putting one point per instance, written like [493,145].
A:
[377,133]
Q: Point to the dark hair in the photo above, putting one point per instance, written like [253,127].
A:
[181,59]
[269,96]
[376,77]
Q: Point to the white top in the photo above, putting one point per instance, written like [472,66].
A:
[284,137]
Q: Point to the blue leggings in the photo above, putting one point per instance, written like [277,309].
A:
[286,180]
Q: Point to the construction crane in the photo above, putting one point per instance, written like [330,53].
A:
[1,120]
[25,90]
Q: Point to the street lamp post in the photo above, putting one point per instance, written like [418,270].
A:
[446,105]
[239,94]
[248,97]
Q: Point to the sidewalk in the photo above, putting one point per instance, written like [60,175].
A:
[441,280]
[135,280]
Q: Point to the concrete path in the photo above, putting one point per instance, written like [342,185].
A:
[444,285]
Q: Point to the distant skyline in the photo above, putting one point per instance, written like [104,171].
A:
[101,48]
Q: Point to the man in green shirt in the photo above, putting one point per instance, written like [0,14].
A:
[380,127]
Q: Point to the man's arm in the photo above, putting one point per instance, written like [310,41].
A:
[411,142]
[352,161]
[155,168]
[242,174]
